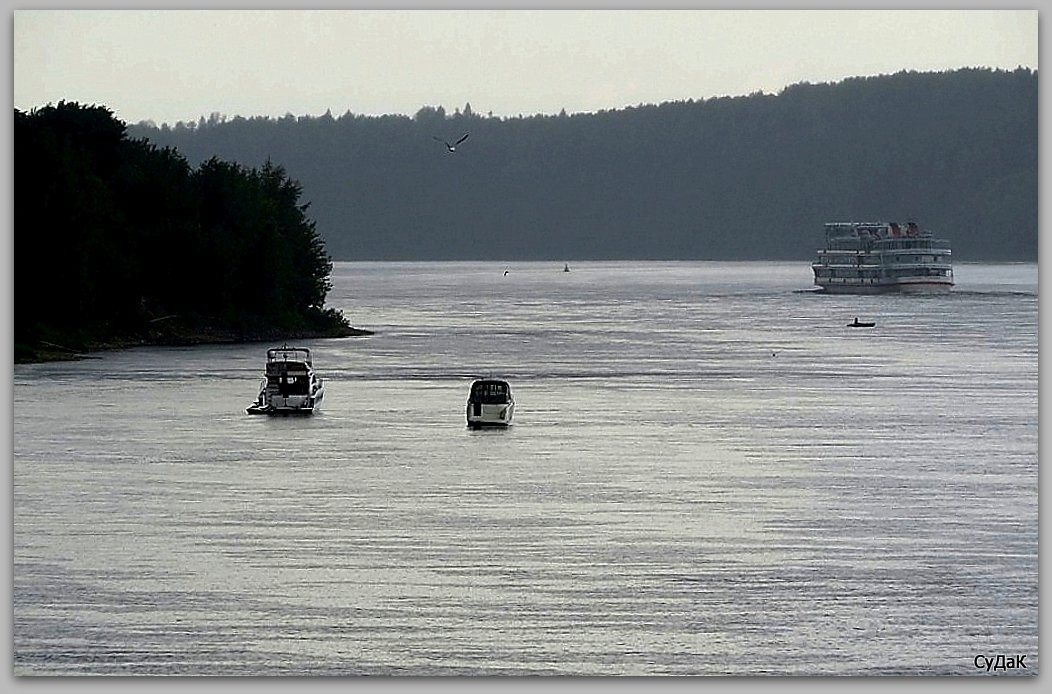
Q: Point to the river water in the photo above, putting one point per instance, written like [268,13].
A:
[708,473]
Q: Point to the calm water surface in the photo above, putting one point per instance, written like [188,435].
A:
[708,473]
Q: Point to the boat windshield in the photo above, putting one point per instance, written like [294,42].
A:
[300,354]
[490,392]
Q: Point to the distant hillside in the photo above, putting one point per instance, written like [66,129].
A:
[726,178]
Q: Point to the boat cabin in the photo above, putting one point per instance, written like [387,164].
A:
[490,392]
[288,377]
[288,370]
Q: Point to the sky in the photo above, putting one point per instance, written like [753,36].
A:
[179,65]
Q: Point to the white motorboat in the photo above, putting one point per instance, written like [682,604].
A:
[290,385]
[490,403]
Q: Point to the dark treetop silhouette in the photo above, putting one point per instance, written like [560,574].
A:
[120,242]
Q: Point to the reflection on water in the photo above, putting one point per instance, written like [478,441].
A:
[708,473]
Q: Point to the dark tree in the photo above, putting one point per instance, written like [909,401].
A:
[117,240]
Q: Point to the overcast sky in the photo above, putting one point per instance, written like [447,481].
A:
[168,66]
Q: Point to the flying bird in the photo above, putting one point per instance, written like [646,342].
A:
[451,147]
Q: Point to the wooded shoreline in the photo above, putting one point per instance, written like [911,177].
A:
[46,351]
[122,244]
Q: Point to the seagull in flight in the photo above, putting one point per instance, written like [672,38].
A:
[451,147]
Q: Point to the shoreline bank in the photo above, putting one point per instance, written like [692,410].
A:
[45,351]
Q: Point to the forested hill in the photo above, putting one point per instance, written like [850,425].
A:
[120,242]
[749,177]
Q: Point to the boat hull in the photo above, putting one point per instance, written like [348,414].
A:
[279,407]
[481,416]
[902,287]
[280,412]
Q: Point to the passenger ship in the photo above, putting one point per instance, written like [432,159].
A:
[872,258]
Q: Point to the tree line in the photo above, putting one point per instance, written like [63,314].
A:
[118,240]
[751,177]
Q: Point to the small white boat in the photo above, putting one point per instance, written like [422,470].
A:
[290,385]
[490,403]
